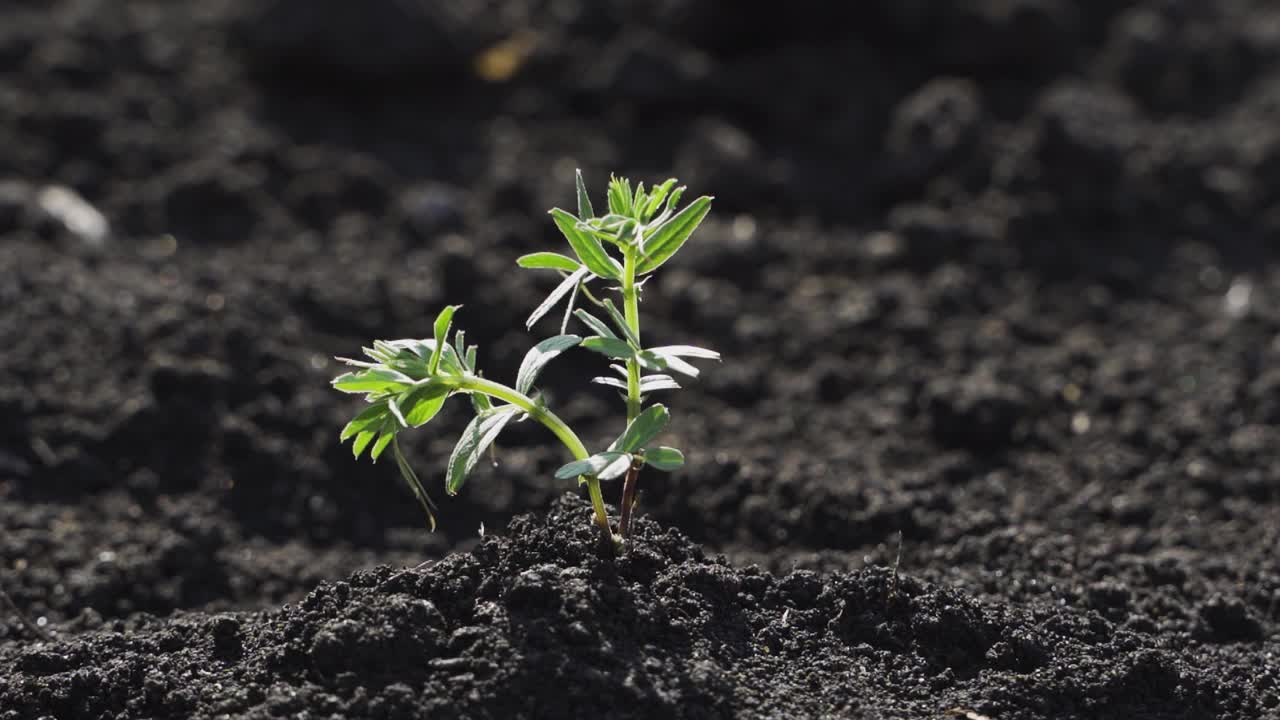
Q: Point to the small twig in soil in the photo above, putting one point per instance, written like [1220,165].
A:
[897,562]
[22,617]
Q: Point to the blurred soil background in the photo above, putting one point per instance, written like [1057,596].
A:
[994,281]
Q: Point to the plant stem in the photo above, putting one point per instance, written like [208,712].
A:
[631,312]
[557,426]
[628,499]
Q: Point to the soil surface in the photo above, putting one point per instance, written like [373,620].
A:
[997,432]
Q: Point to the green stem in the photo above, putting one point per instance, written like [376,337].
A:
[557,426]
[631,312]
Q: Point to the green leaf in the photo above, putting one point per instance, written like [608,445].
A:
[443,320]
[372,380]
[672,200]
[643,429]
[481,403]
[620,196]
[595,323]
[621,321]
[415,485]
[673,357]
[672,234]
[590,466]
[611,382]
[471,357]
[677,363]
[538,357]
[477,438]
[383,441]
[421,404]
[561,290]
[584,200]
[362,441]
[609,347]
[369,417]
[664,458]
[460,343]
[687,351]
[651,383]
[616,468]
[588,248]
[548,261]
[650,360]
[655,199]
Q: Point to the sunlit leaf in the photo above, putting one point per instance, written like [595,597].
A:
[590,466]
[644,428]
[664,458]
[372,380]
[599,326]
[587,247]
[651,383]
[671,235]
[441,327]
[538,357]
[561,290]
[609,347]
[584,200]
[367,418]
[548,261]
[611,382]
[479,435]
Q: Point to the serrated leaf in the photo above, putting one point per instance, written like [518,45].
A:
[477,438]
[644,428]
[441,327]
[372,380]
[651,383]
[611,382]
[587,247]
[589,466]
[548,261]
[369,417]
[599,326]
[415,485]
[621,321]
[561,290]
[664,458]
[671,235]
[538,357]
[584,200]
[609,347]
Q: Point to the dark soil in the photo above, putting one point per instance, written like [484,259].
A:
[995,283]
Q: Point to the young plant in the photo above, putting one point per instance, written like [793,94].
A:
[406,382]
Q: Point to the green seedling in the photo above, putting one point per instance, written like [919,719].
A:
[406,382]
